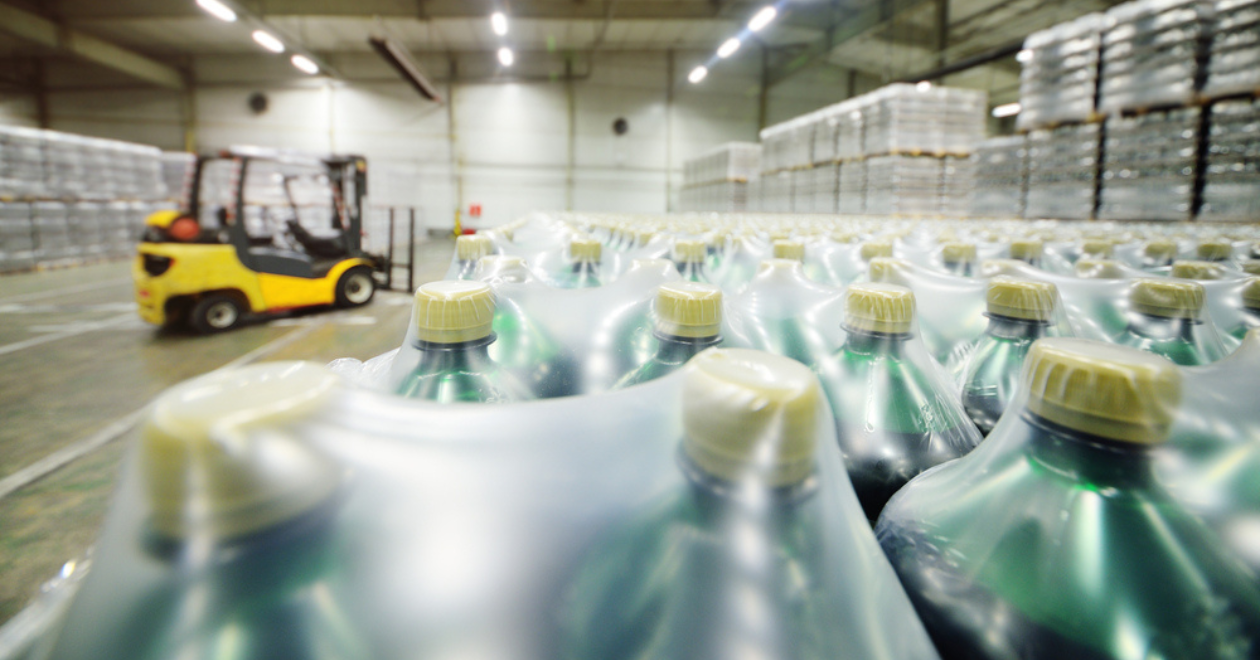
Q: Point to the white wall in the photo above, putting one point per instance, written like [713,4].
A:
[511,138]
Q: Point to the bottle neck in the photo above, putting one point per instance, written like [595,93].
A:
[715,494]
[1087,458]
[672,348]
[439,356]
[868,342]
[1163,327]
[1007,327]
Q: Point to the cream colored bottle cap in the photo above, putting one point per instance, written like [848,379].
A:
[785,249]
[585,249]
[1160,249]
[1214,250]
[1099,269]
[1026,250]
[843,236]
[958,253]
[1251,293]
[1110,391]
[1021,299]
[450,311]
[1098,248]
[690,252]
[471,247]
[502,268]
[1251,266]
[882,269]
[1167,298]
[750,417]
[1197,270]
[206,474]
[689,309]
[645,236]
[876,249]
[879,307]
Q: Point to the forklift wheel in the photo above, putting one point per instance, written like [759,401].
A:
[215,313]
[355,288]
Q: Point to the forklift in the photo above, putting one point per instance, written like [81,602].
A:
[263,232]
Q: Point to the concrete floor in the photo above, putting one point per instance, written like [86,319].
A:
[77,365]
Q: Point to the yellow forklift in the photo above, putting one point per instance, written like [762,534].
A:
[263,232]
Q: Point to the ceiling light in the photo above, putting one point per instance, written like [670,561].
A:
[697,74]
[728,47]
[762,18]
[267,41]
[304,64]
[923,86]
[1007,110]
[218,10]
[498,23]
[505,56]
[1024,56]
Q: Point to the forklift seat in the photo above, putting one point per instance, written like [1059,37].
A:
[333,247]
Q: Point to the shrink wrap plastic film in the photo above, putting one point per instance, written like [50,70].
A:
[404,529]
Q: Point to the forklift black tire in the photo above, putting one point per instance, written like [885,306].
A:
[215,313]
[356,287]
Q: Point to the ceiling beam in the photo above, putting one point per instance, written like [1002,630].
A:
[873,16]
[37,29]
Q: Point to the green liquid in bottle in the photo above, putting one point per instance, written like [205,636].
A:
[580,275]
[460,372]
[993,372]
[1178,339]
[672,353]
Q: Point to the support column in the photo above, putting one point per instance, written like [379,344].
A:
[457,179]
[188,111]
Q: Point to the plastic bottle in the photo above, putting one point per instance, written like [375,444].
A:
[1054,539]
[502,269]
[1250,266]
[1197,270]
[788,249]
[1250,308]
[688,320]
[1020,313]
[242,561]
[453,331]
[959,258]
[1159,254]
[772,309]
[741,557]
[873,249]
[583,271]
[1088,268]
[1214,251]
[469,248]
[1097,249]
[1028,251]
[689,256]
[895,416]
[1166,318]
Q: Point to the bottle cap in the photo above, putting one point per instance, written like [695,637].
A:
[1098,248]
[688,309]
[1197,270]
[689,252]
[1021,299]
[502,268]
[471,247]
[644,236]
[451,311]
[879,307]
[750,417]
[1161,249]
[1251,293]
[843,236]
[1099,269]
[1167,298]
[882,269]
[1029,250]
[207,474]
[779,236]
[1250,266]
[785,249]
[954,253]
[585,250]
[1214,250]
[874,249]
[1113,392]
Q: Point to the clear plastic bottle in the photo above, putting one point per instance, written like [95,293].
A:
[788,249]
[1190,269]
[959,258]
[453,331]
[1020,313]
[1055,540]
[1028,251]
[469,248]
[1159,254]
[502,269]
[688,320]
[1098,249]
[1250,308]
[895,415]
[1214,250]
[736,560]
[583,270]
[689,257]
[1166,318]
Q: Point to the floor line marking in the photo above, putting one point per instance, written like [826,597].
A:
[86,327]
[36,295]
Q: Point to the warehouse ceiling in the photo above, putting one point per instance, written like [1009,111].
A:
[889,39]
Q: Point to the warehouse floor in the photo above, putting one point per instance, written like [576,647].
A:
[77,366]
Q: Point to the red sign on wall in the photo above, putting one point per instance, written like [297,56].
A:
[474,210]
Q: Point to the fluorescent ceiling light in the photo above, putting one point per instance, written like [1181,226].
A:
[1007,110]
[304,64]
[218,10]
[506,58]
[498,23]
[728,47]
[267,41]
[697,74]
[762,18]
[923,86]
[1024,56]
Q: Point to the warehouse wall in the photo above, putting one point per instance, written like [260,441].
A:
[534,142]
